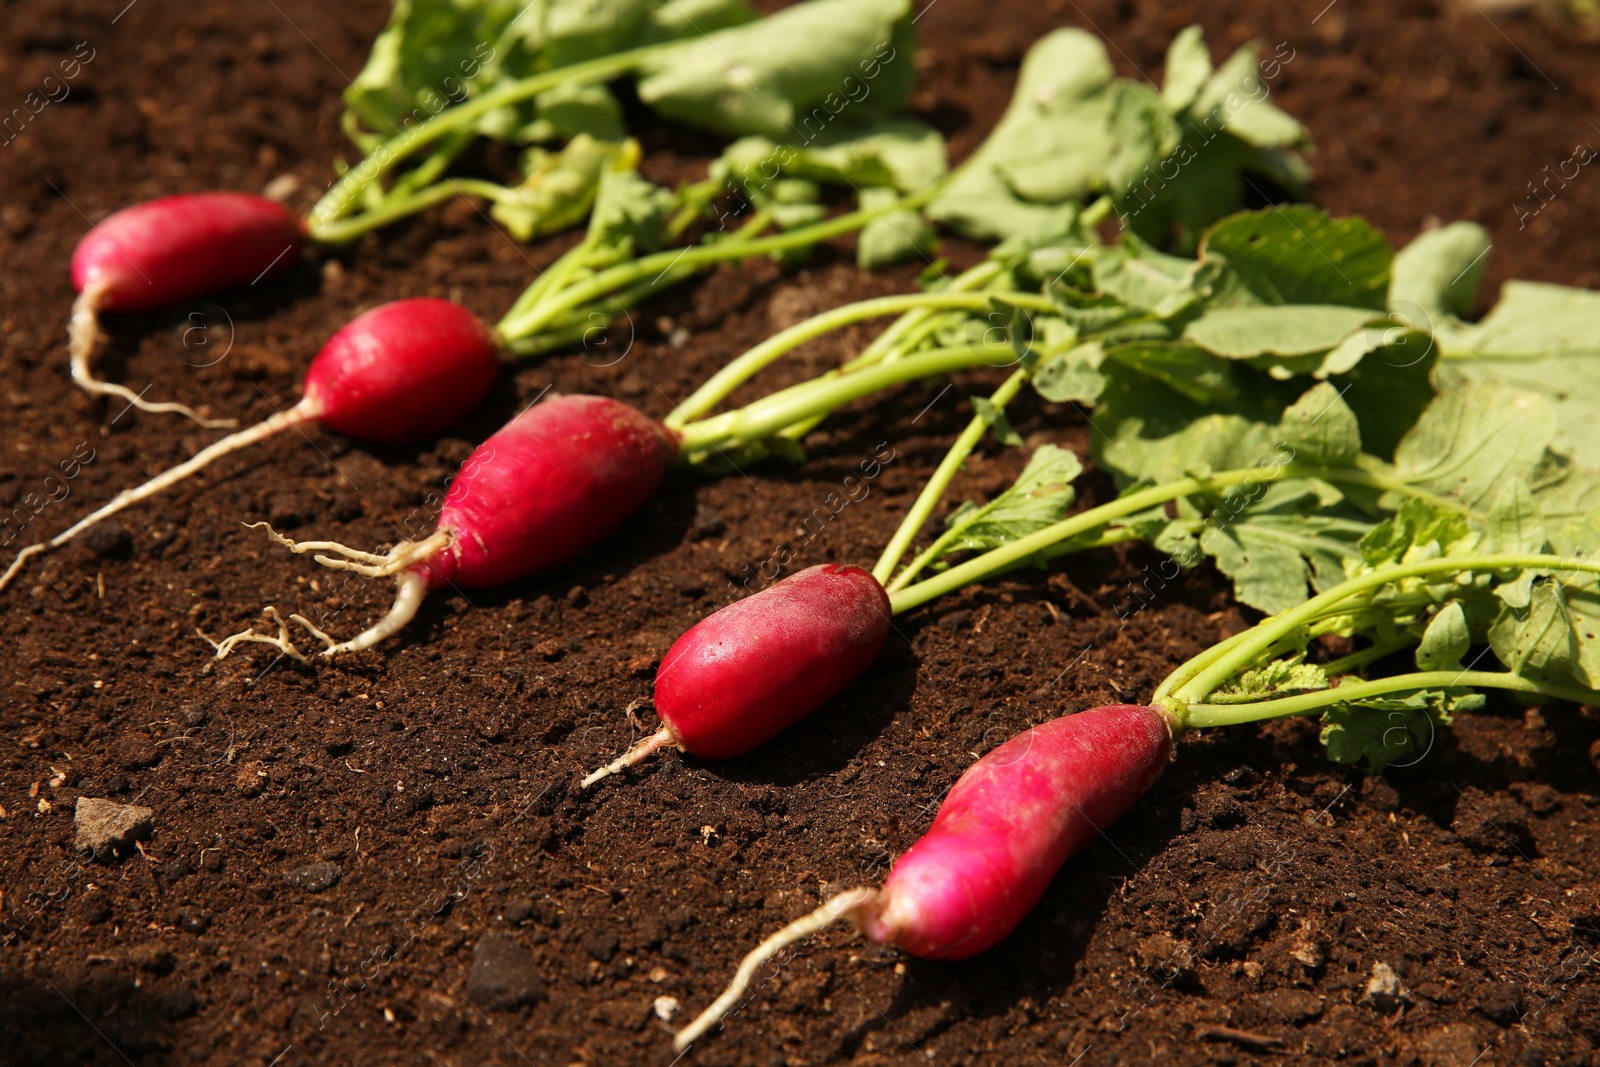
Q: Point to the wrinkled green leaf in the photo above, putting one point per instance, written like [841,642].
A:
[1417,530]
[1281,677]
[629,212]
[425,59]
[1515,523]
[1473,439]
[1391,731]
[1235,99]
[1320,428]
[1445,641]
[901,152]
[1544,339]
[569,110]
[1062,76]
[560,187]
[1186,369]
[1538,642]
[435,53]
[1282,330]
[1071,377]
[1041,496]
[1299,255]
[894,236]
[1188,69]
[1273,558]
[791,75]
[1146,280]
[1438,273]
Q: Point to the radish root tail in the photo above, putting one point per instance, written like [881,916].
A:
[83,334]
[641,751]
[281,642]
[844,906]
[18,563]
[367,564]
[411,587]
[306,411]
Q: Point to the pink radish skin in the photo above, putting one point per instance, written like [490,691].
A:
[555,480]
[1001,835]
[750,671]
[1010,822]
[403,371]
[177,248]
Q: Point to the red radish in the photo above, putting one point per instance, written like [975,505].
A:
[166,251]
[1002,833]
[400,372]
[554,480]
[403,371]
[751,670]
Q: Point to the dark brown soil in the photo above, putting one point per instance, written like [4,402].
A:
[335,846]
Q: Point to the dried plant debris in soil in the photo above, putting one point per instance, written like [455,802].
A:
[385,859]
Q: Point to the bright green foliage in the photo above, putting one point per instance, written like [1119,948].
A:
[1041,496]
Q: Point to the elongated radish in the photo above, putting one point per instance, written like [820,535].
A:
[1002,833]
[813,633]
[559,477]
[400,372]
[166,251]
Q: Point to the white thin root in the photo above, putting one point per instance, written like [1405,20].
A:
[17,564]
[281,642]
[641,751]
[83,334]
[366,564]
[305,411]
[844,906]
[410,588]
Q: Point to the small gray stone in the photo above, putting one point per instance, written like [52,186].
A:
[109,829]
[503,973]
[315,877]
[1385,991]
[708,522]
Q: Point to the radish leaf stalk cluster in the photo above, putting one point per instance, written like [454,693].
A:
[1431,580]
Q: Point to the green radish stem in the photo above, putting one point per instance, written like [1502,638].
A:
[765,417]
[400,205]
[336,203]
[1203,715]
[752,362]
[1217,665]
[530,320]
[996,560]
[932,492]
[903,336]
[600,312]
[892,338]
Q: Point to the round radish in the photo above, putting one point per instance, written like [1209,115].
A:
[177,248]
[400,372]
[556,479]
[1002,833]
[748,672]
[166,251]
[553,481]
[404,371]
